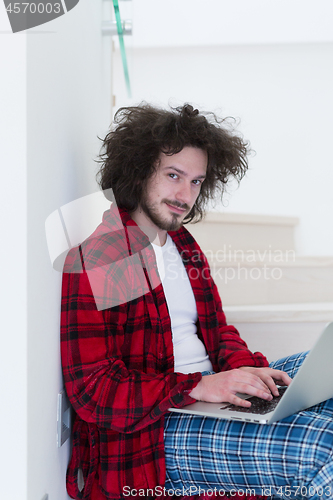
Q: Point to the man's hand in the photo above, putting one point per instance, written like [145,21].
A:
[269,376]
[222,387]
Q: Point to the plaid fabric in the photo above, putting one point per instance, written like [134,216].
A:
[117,353]
[291,458]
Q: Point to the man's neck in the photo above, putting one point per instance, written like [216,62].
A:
[155,234]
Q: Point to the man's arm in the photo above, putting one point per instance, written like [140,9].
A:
[100,387]
[241,370]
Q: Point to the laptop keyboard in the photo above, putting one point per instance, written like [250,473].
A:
[258,406]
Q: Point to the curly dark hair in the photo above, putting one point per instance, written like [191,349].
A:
[131,150]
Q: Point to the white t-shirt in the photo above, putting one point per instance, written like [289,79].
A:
[190,354]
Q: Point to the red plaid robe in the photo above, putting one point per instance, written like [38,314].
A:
[117,353]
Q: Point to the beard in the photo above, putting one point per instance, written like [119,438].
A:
[172,224]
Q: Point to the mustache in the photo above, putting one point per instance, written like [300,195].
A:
[177,204]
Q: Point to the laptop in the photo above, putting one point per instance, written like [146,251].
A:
[312,384]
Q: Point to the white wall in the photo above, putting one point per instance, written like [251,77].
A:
[282,93]
[69,104]
[13,352]
[60,73]
[193,23]
[61,77]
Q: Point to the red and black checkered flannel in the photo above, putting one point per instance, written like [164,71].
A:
[117,353]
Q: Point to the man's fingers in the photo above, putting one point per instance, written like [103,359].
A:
[235,400]
[251,380]
[254,391]
[262,374]
[271,385]
[282,377]
[270,377]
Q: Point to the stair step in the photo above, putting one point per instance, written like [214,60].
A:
[280,313]
[231,231]
[295,280]
[278,330]
[276,258]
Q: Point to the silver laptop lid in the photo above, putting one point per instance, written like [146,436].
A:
[314,381]
[312,384]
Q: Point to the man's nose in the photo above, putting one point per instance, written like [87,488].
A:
[184,193]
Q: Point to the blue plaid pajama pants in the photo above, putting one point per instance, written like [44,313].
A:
[290,459]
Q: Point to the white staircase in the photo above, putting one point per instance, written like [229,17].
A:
[278,300]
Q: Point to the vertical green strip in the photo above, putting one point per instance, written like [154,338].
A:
[122,46]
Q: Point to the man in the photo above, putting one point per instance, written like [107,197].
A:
[143,330]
